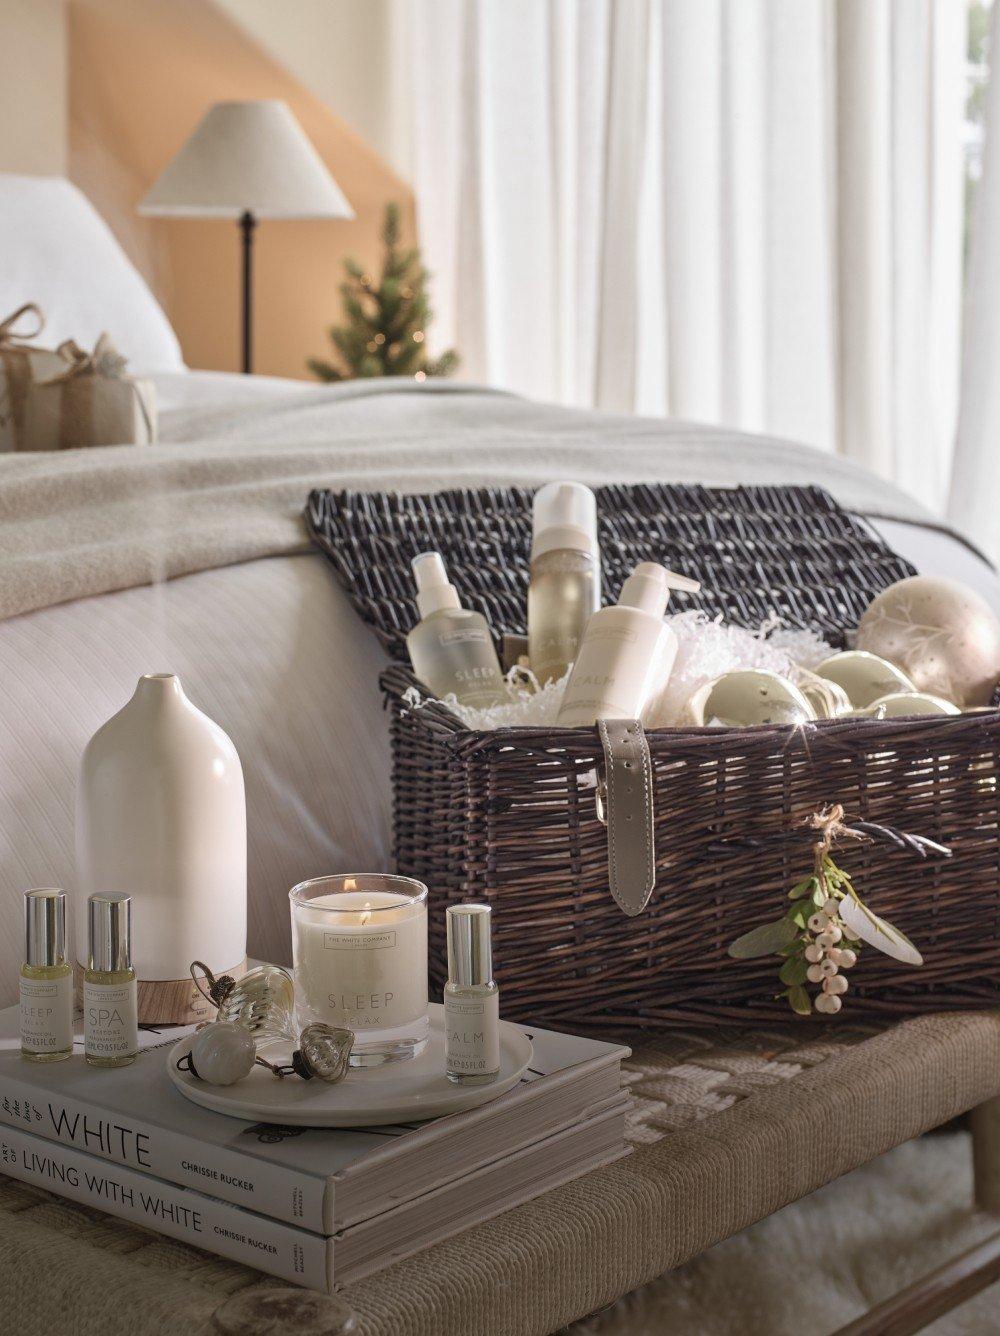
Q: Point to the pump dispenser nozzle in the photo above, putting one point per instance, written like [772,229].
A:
[564,515]
[649,586]
[433,588]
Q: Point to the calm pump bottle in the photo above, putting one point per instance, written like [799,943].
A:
[565,581]
[451,648]
[627,653]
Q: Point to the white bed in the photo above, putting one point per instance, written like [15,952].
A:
[269,647]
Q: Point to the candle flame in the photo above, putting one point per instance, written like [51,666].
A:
[366,913]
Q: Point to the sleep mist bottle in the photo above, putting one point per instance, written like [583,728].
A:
[627,653]
[451,648]
[565,576]
[110,1011]
[46,979]
[471,999]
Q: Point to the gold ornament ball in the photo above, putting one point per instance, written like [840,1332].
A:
[943,635]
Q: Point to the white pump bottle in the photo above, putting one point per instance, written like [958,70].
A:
[451,648]
[565,580]
[627,652]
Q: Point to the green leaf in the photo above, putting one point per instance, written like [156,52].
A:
[862,923]
[793,971]
[801,888]
[763,941]
[798,1000]
[819,897]
[801,914]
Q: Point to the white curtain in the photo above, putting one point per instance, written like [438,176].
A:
[746,212]
[975,494]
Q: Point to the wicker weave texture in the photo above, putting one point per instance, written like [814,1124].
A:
[756,550]
[509,816]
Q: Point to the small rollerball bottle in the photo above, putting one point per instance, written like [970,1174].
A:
[110,1024]
[471,999]
[46,979]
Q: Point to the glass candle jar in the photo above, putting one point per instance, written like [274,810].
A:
[359,944]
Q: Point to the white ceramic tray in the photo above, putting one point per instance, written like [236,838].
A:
[397,1092]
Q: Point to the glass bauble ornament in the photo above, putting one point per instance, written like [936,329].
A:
[262,1000]
[944,636]
[324,1052]
[864,676]
[902,704]
[746,697]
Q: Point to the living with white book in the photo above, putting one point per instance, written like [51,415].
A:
[319,1206]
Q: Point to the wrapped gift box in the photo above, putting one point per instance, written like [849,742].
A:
[68,399]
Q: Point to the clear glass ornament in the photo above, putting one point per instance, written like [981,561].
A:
[324,1052]
[262,1000]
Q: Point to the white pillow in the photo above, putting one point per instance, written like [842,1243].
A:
[56,251]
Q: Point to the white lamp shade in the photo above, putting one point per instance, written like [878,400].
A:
[247,157]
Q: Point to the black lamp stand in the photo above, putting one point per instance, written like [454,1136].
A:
[247,224]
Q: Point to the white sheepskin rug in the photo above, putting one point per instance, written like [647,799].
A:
[822,1262]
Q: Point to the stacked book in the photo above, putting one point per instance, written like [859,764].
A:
[316,1206]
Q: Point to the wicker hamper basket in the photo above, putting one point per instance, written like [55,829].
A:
[509,816]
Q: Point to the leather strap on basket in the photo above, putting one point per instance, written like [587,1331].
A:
[628,813]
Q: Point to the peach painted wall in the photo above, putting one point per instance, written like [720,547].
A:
[141,72]
[33,87]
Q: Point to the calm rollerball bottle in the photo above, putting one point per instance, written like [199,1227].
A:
[46,979]
[110,1024]
[471,999]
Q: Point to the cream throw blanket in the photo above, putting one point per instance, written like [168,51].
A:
[229,479]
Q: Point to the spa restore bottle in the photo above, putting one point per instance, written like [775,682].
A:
[471,999]
[451,649]
[46,979]
[110,1010]
[627,652]
[565,577]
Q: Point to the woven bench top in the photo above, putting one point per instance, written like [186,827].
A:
[729,1126]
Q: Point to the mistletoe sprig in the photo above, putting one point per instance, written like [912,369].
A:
[819,936]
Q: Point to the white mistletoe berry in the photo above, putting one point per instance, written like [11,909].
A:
[827,968]
[848,958]
[830,907]
[828,1003]
[815,974]
[813,952]
[818,923]
[837,984]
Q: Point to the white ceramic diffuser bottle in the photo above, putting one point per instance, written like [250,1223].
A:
[451,648]
[627,651]
[565,579]
[161,817]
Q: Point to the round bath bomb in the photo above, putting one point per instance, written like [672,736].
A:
[943,635]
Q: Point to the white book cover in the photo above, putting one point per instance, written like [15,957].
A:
[296,1254]
[319,1179]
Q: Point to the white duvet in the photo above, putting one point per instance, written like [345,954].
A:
[269,646]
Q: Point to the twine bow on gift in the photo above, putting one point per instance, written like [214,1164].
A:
[9,335]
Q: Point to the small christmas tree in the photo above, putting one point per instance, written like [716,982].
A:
[386,321]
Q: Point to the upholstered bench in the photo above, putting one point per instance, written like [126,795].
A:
[729,1126]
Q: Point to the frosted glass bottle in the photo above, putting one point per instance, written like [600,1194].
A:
[565,576]
[451,649]
[627,652]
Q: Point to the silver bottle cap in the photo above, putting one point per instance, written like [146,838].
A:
[109,933]
[45,927]
[470,952]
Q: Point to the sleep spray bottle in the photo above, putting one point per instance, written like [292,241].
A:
[451,648]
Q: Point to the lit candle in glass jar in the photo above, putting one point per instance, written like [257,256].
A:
[359,943]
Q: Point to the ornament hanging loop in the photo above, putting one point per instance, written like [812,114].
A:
[218,988]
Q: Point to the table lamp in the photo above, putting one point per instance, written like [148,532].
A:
[246,160]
